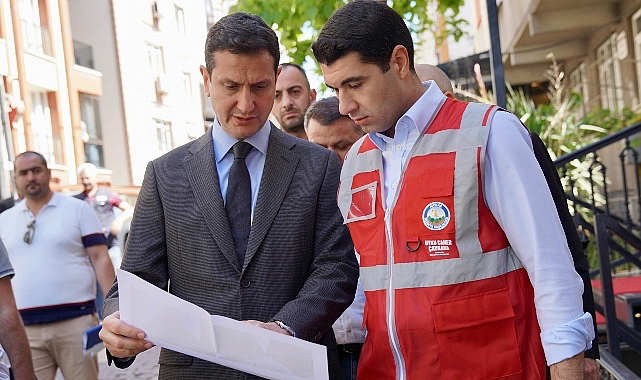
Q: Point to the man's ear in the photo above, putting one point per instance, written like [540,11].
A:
[449,94]
[205,74]
[400,61]
[312,96]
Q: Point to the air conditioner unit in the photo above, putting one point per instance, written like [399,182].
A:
[162,85]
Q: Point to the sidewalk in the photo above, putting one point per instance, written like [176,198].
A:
[145,367]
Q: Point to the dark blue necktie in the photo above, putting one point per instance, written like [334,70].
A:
[238,203]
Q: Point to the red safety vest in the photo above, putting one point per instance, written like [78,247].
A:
[446,297]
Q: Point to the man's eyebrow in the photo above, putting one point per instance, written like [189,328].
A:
[294,87]
[262,82]
[352,79]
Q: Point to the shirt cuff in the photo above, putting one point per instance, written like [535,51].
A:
[568,340]
[119,362]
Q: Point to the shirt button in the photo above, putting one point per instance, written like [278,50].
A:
[399,147]
[245,283]
[394,186]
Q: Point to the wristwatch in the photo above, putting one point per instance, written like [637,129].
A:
[285,327]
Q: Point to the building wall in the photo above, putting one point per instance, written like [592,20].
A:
[97,31]
[182,53]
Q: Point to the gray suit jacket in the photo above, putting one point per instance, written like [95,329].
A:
[299,267]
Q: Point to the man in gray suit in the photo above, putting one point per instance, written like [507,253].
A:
[299,271]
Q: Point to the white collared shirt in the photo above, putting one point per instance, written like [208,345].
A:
[348,328]
[516,192]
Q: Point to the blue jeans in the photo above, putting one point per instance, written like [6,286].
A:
[348,355]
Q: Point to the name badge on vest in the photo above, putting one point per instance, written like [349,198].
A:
[436,216]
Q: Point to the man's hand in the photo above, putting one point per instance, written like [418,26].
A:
[116,226]
[273,326]
[121,339]
[591,369]
[568,369]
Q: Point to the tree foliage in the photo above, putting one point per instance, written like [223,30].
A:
[298,22]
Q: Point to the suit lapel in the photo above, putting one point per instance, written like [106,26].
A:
[203,178]
[280,165]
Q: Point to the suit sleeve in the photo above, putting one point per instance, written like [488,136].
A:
[145,253]
[331,284]
[574,243]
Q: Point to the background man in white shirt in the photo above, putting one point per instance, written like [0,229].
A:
[56,245]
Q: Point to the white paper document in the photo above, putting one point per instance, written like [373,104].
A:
[181,326]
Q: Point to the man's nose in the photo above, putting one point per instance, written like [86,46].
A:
[346,105]
[246,101]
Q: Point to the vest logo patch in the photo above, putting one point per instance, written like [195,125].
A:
[436,216]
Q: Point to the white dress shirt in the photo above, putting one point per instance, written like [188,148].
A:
[516,192]
[348,328]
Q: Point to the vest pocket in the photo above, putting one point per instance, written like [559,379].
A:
[476,336]
[363,203]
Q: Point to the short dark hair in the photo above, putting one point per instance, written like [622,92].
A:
[326,112]
[297,67]
[368,27]
[241,33]
[30,152]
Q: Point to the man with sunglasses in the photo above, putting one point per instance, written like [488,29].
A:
[58,251]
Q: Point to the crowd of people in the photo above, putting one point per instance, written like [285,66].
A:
[409,232]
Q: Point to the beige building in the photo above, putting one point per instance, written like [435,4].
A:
[112,82]
[149,53]
[598,42]
[41,83]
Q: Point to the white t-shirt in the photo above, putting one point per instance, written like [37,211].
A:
[55,268]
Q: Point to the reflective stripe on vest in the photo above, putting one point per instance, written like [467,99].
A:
[433,287]
[440,272]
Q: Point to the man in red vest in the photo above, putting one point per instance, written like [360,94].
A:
[464,263]
[427,72]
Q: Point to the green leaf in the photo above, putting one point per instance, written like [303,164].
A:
[293,20]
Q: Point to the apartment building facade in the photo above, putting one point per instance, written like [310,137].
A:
[111,82]
[597,42]
[149,54]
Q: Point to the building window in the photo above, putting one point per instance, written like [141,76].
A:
[579,85]
[44,141]
[163,136]
[187,84]
[610,75]
[180,20]
[83,54]
[92,130]
[156,70]
[35,34]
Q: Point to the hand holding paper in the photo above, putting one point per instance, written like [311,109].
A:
[121,339]
[181,326]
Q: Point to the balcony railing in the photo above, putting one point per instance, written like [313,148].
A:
[83,54]
[36,38]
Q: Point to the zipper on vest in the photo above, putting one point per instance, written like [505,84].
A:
[391,314]
[391,319]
